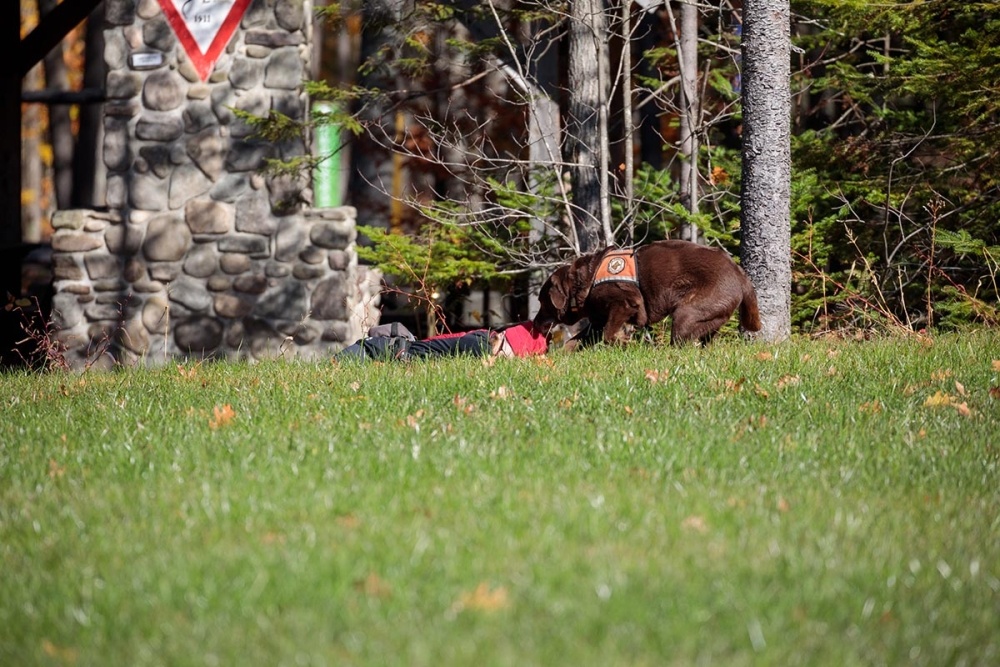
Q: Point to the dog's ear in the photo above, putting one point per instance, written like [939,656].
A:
[559,289]
[579,278]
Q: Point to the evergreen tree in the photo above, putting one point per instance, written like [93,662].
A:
[905,133]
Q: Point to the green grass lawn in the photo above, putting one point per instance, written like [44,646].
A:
[817,502]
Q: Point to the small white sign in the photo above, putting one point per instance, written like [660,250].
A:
[146,60]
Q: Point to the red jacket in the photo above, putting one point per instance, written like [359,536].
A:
[522,340]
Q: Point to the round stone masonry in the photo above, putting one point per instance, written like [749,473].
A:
[201,255]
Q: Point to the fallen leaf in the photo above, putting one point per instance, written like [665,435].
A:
[463,404]
[655,376]
[223,415]
[940,374]
[188,373]
[483,598]
[783,505]
[938,399]
[788,381]
[873,407]
[832,371]
[735,385]
[960,388]
[963,409]
[374,586]
[413,421]
[695,523]
[56,470]
[355,386]
[628,410]
[996,364]
[502,392]
[67,655]
[805,357]
[764,356]
[995,393]
[542,360]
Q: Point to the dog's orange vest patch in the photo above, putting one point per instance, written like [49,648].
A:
[617,265]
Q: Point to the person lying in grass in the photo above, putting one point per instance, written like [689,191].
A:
[393,342]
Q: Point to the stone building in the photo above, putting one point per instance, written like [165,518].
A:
[199,253]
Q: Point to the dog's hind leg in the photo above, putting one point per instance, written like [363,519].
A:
[692,324]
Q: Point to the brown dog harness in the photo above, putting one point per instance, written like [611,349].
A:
[617,266]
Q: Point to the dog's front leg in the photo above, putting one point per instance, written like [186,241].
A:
[614,329]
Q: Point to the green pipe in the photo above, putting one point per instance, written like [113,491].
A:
[326,147]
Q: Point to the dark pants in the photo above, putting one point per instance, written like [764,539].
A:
[389,348]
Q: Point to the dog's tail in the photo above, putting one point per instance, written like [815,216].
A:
[749,314]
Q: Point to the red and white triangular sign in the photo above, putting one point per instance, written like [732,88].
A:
[204,27]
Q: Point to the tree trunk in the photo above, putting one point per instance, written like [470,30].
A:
[766,243]
[650,33]
[688,61]
[32,170]
[582,147]
[373,169]
[627,120]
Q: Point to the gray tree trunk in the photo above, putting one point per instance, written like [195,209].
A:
[373,166]
[627,120]
[766,243]
[583,130]
[688,62]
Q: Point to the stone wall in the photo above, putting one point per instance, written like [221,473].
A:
[122,297]
[200,253]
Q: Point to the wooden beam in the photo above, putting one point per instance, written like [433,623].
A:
[84,96]
[27,53]
[51,29]
[10,151]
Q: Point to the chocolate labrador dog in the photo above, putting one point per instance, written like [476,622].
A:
[699,286]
